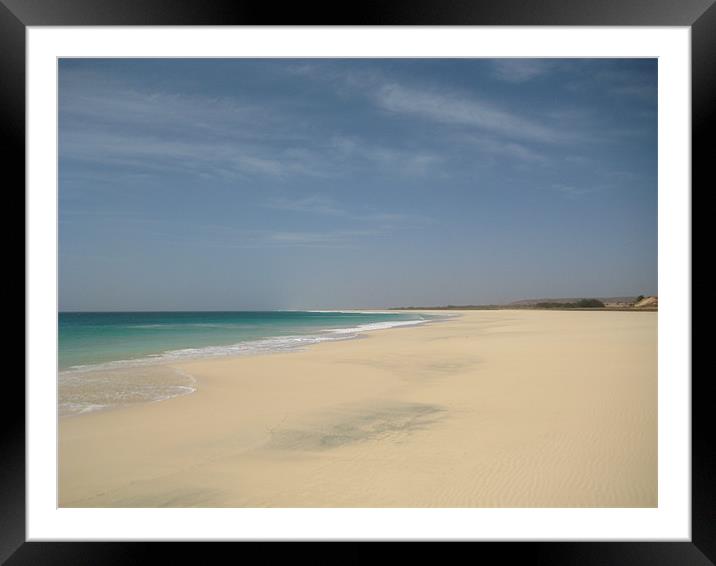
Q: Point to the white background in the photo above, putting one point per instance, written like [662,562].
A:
[670,521]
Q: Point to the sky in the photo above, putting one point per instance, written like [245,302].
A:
[230,184]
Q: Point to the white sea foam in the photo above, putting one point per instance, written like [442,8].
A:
[94,387]
[375,326]
[89,391]
[251,347]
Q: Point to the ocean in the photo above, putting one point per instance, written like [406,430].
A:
[111,359]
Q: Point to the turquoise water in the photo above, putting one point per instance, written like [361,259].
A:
[92,339]
[108,360]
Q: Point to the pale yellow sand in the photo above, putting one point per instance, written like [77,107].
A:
[494,408]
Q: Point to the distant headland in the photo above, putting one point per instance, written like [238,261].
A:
[637,303]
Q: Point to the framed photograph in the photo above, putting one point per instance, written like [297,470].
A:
[424,275]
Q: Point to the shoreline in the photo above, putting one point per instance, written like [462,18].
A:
[162,362]
[506,408]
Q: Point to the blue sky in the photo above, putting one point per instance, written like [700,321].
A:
[328,183]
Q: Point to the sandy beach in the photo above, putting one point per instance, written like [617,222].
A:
[508,408]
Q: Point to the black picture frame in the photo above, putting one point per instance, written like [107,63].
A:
[16,15]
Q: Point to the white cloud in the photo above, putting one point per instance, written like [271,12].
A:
[463,111]
[509,149]
[401,160]
[313,204]
[303,239]
[116,124]
[320,205]
[573,191]
[521,70]
[619,83]
[148,153]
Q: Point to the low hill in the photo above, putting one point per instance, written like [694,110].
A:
[647,302]
[581,303]
[608,301]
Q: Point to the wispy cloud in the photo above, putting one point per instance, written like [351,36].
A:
[618,83]
[574,191]
[506,125]
[521,70]
[631,84]
[645,91]
[401,160]
[508,149]
[115,124]
[231,237]
[324,206]
[152,131]
[338,238]
[226,236]
[144,152]
[441,105]
[88,99]
[454,109]
[312,204]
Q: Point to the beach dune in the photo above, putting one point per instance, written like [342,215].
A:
[508,408]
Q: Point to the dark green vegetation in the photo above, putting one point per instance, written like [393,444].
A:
[580,304]
[624,304]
